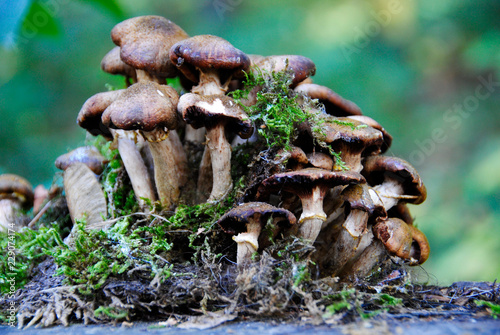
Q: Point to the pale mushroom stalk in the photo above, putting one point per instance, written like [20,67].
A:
[313,215]
[135,167]
[220,153]
[8,211]
[166,174]
[248,242]
[390,192]
[209,83]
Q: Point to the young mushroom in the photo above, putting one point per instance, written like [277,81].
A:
[151,109]
[396,236]
[84,194]
[145,43]
[90,118]
[310,185]
[395,180]
[246,221]
[16,193]
[217,113]
[374,124]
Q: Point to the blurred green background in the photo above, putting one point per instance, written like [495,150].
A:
[427,70]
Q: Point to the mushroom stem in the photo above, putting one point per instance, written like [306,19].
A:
[144,76]
[135,167]
[179,156]
[350,157]
[220,153]
[248,242]
[205,177]
[166,173]
[8,210]
[389,191]
[313,215]
[209,83]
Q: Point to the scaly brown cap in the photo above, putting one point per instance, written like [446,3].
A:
[145,43]
[420,248]
[87,155]
[234,221]
[334,104]
[395,235]
[208,52]
[16,188]
[209,110]
[378,168]
[143,106]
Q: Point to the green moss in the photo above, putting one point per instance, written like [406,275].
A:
[494,309]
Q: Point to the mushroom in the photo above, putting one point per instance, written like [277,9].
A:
[420,249]
[151,109]
[90,118]
[334,104]
[310,185]
[374,124]
[362,209]
[113,64]
[395,180]
[320,160]
[246,221]
[211,62]
[84,194]
[145,43]
[396,236]
[350,138]
[16,193]
[87,155]
[216,113]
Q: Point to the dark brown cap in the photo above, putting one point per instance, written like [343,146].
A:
[16,188]
[210,110]
[401,211]
[374,124]
[303,181]
[234,221]
[301,67]
[113,64]
[395,235]
[87,155]
[143,106]
[320,160]
[359,197]
[90,115]
[334,104]
[378,168]
[145,43]
[209,52]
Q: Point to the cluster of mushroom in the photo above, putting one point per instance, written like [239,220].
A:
[353,213]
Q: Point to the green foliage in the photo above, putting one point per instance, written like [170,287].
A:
[341,301]
[494,309]
[112,312]
[23,251]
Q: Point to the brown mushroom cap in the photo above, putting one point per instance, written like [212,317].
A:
[113,64]
[374,124]
[210,110]
[90,114]
[420,248]
[396,236]
[334,104]
[301,67]
[145,43]
[209,52]
[302,181]
[357,135]
[358,197]
[234,221]
[378,168]
[16,188]
[144,106]
[87,155]
[320,160]
[401,211]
